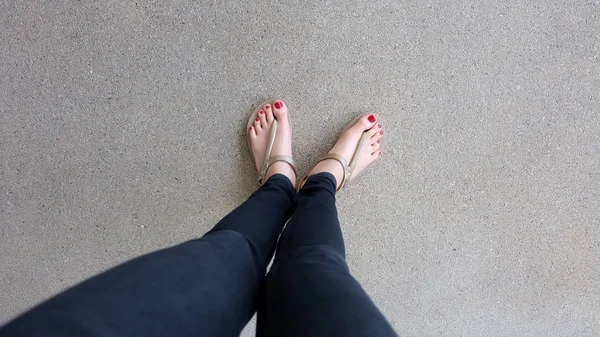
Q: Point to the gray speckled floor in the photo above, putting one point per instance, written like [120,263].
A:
[122,128]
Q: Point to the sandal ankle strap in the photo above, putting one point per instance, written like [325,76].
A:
[273,160]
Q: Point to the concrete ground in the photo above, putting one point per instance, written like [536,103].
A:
[122,132]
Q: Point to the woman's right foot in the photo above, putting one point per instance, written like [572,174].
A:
[259,139]
[346,146]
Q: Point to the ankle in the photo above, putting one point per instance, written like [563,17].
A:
[321,180]
[332,167]
[284,169]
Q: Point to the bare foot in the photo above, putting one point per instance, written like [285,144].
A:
[259,139]
[346,145]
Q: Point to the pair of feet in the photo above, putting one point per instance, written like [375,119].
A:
[345,145]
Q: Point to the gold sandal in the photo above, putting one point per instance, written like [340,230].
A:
[268,159]
[348,168]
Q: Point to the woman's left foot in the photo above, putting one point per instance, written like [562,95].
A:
[259,139]
[346,147]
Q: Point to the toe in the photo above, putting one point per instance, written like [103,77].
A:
[376,154]
[279,109]
[262,116]
[374,130]
[252,132]
[378,135]
[375,145]
[269,115]
[366,121]
[267,109]
[257,125]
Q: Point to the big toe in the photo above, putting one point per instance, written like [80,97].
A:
[366,122]
[280,109]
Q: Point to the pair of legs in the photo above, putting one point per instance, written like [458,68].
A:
[213,285]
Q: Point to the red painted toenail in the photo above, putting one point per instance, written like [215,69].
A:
[257,119]
[372,119]
[267,106]
[381,132]
[378,141]
[261,112]
[278,105]
[250,128]
[379,126]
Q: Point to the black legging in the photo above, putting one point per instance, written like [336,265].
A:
[212,286]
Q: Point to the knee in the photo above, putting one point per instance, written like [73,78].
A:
[313,256]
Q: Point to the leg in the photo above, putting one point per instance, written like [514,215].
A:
[204,287]
[309,290]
